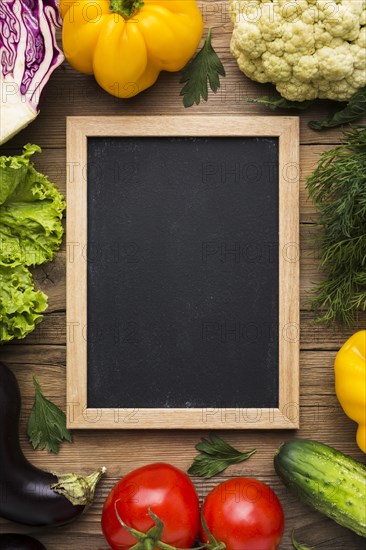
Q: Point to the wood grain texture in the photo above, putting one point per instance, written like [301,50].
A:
[44,352]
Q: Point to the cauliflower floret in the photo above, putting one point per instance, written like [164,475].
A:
[335,64]
[298,37]
[307,48]
[276,67]
[295,90]
[340,21]
[357,78]
[335,90]
[247,38]
[307,68]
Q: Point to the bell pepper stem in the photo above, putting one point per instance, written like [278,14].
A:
[125,8]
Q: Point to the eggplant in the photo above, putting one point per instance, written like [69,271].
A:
[29,495]
[15,541]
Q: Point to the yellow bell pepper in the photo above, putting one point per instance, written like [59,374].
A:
[350,380]
[126,43]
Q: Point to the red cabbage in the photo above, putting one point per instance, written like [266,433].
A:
[28,56]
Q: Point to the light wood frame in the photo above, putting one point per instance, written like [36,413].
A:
[286,416]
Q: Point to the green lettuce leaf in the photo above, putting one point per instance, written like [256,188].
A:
[21,306]
[31,209]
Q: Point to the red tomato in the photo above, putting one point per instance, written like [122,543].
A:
[167,491]
[245,514]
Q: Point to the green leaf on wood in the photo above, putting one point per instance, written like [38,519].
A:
[204,69]
[215,456]
[46,423]
[355,108]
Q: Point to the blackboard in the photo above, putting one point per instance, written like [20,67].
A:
[183,274]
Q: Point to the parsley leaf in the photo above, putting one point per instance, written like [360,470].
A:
[206,68]
[46,423]
[215,456]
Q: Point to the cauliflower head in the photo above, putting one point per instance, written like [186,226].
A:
[308,48]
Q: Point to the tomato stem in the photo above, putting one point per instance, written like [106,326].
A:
[151,539]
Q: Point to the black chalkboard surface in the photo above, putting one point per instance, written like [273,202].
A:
[183,274]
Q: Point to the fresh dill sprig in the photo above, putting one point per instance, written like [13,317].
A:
[338,190]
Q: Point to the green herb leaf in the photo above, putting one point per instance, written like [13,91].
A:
[46,423]
[355,108]
[204,69]
[279,102]
[295,544]
[215,456]
[338,190]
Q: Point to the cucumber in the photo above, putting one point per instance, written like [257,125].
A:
[325,479]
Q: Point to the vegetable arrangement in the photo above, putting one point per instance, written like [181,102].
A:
[338,190]
[126,43]
[156,506]
[350,382]
[34,497]
[31,209]
[29,54]
[309,49]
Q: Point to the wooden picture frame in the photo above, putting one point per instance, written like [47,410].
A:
[286,416]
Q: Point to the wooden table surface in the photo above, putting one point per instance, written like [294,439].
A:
[43,352]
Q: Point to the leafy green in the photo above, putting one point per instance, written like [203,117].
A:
[338,189]
[206,68]
[46,423]
[215,456]
[31,210]
[295,544]
[280,102]
[21,306]
[355,108]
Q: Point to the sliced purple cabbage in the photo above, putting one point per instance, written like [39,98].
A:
[28,56]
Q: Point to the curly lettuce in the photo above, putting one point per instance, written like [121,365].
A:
[31,209]
[21,306]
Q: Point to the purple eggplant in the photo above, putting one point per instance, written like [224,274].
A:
[15,541]
[29,495]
